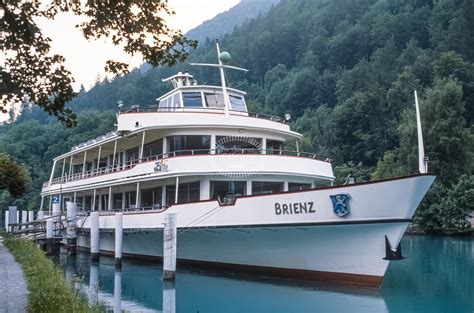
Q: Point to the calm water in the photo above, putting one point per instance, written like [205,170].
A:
[437,276]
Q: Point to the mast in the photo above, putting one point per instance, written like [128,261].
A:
[422,162]
[224,87]
[222,58]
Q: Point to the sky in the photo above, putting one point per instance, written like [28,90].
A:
[86,59]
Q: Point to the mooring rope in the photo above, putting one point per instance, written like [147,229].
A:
[199,219]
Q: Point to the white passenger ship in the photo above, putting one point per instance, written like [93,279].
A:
[242,200]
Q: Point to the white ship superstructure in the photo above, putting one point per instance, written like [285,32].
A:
[242,198]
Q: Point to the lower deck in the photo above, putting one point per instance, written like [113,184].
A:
[163,193]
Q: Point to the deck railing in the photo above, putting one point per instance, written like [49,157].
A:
[137,109]
[221,151]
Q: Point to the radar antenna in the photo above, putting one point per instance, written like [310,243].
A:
[222,58]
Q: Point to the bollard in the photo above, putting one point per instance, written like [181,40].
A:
[71,218]
[24,218]
[49,236]
[169,247]
[118,292]
[7,220]
[95,236]
[40,215]
[118,239]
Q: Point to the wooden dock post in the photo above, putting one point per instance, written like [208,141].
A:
[118,239]
[49,236]
[12,212]
[7,220]
[71,220]
[57,216]
[169,247]
[95,236]
[24,218]
[31,216]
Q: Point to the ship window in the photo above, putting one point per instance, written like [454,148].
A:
[274,146]
[188,192]
[88,203]
[117,201]
[264,187]
[298,186]
[153,148]
[192,99]
[132,154]
[214,100]
[151,197]
[232,144]
[164,103]
[189,144]
[222,189]
[176,101]
[131,199]
[237,103]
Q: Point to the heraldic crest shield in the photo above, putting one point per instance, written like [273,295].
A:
[340,204]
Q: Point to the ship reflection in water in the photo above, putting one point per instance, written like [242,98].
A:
[436,277]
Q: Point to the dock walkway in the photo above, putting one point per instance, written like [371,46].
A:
[13,287]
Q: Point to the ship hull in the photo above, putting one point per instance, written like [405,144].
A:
[254,235]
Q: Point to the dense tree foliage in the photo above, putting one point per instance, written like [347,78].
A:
[346,71]
[13,177]
[225,22]
[30,72]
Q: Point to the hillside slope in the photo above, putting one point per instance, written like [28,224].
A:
[225,22]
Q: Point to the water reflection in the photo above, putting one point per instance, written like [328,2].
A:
[435,277]
[118,292]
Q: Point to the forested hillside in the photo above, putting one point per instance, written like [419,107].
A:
[225,22]
[346,71]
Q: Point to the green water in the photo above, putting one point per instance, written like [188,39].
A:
[436,276]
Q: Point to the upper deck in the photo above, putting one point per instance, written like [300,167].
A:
[190,105]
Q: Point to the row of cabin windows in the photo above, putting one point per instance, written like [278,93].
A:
[189,192]
[200,144]
[202,99]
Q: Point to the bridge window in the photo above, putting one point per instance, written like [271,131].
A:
[214,100]
[192,99]
[237,103]
[222,189]
[265,187]
[298,186]
[274,146]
